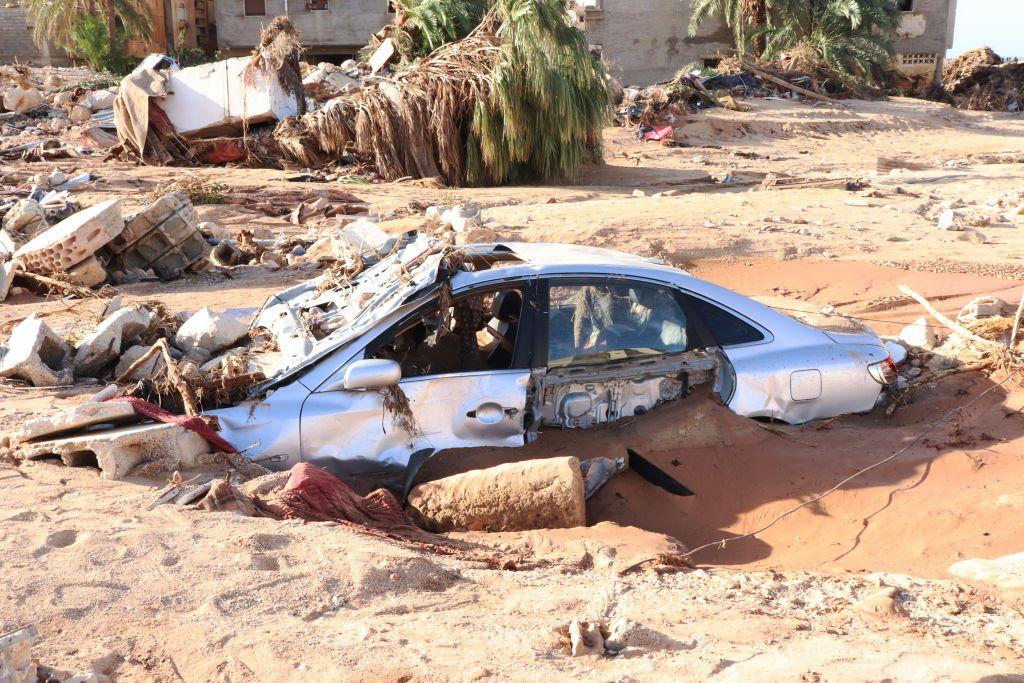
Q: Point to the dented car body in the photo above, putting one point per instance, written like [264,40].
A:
[436,348]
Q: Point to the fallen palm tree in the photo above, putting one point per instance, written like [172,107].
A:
[520,98]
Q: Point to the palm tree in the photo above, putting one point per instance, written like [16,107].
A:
[746,18]
[851,36]
[57,19]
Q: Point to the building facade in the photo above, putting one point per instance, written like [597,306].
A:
[16,40]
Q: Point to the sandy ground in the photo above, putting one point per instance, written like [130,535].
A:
[172,595]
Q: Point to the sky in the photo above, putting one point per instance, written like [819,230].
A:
[996,23]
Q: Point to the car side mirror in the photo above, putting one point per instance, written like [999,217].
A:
[370,373]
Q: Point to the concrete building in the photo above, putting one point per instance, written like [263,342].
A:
[331,29]
[16,40]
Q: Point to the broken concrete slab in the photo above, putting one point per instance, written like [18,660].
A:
[151,368]
[1004,573]
[7,272]
[217,98]
[117,451]
[210,332]
[36,354]
[74,239]
[535,494]
[79,417]
[138,224]
[103,346]
[16,662]
[919,334]
[23,221]
[88,273]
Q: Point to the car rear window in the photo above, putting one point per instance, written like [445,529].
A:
[726,328]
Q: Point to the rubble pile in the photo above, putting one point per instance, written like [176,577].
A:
[980,80]
[98,244]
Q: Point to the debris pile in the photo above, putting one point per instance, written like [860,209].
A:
[980,80]
[97,244]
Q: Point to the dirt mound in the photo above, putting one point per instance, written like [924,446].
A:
[981,81]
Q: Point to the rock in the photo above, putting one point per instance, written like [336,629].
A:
[74,239]
[16,662]
[22,222]
[98,100]
[151,368]
[56,178]
[64,99]
[948,220]
[37,355]
[585,638]
[79,417]
[88,273]
[462,217]
[623,633]
[7,272]
[88,677]
[919,334]
[1005,573]
[883,604]
[896,351]
[79,114]
[535,494]
[117,451]
[104,345]
[639,193]
[911,373]
[210,332]
[214,231]
[983,307]
[22,100]
[953,204]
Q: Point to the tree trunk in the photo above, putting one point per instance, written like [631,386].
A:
[760,19]
[111,20]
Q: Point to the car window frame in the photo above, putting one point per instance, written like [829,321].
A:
[524,352]
[696,328]
[767,335]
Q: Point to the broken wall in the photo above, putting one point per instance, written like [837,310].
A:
[923,36]
[343,28]
[648,42]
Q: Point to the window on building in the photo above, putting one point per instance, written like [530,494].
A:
[905,5]
[316,5]
[255,8]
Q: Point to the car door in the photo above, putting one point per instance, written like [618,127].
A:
[617,347]
[450,395]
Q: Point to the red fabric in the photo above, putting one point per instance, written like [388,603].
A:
[223,151]
[314,494]
[191,422]
[659,133]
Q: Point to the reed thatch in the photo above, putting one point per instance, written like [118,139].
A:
[519,98]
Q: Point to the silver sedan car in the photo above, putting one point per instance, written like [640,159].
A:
[438,347]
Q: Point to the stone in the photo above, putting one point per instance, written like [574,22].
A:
[639,193]
[534,494]
[79,114]
[64,99]
[22,222]
[87,677]
[79,417]
[210,332]
[151,368]
[948,220]
[98,100]
[585,638]
[883,604]
[919,334]
[1004,573]
[22,100]
[74,239]
[56,178]
[104,345]
[7,272]
[214,231]
[16,662]
[623,633]
[88,273]
[117,451]
[37,355]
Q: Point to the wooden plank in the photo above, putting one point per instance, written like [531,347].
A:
[786,84]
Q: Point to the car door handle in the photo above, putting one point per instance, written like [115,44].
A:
[488,413]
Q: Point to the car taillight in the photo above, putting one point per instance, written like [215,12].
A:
[884,372]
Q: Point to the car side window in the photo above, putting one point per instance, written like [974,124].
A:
[593,323]
[726,328]
[476,332]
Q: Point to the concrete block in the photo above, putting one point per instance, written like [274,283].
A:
[104,345]
[210,332]
[170,265]
[151,368]
[37,355]
[117,451]
[74,239]
[23,221]
[140,223]
[536,494]
[920,334]
[79,417]
[88,273]
[215,98]
[7,272]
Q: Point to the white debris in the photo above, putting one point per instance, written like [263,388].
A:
[22,100]
[103,346]
[948,220]
[897,352]
[99,100]
[74,239]
[919,334]
[79,417]
[37,355]
[585,638]
[151,368]
[983,307]
[1005,573]
[79,114]
[210,332]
